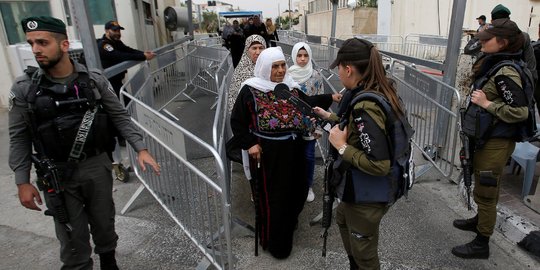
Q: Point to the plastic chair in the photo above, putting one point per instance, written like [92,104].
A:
[525,154]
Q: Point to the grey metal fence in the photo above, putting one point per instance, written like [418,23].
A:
[425,46]
[433,110]
[193,187]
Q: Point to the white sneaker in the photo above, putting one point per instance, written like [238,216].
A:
[310,195]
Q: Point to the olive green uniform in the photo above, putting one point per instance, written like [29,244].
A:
[492,157]
[359,223]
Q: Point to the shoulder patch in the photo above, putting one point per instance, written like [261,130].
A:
[108,47]
[11,99]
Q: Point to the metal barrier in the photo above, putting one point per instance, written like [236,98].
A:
[425,47]
[196,200]
[193,189]
[383,42]
[433,110]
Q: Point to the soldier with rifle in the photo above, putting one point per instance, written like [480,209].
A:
[497,115]
[66,113]
[364,172]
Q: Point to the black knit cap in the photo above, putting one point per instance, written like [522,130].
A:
[353,49]
[504,28]
[43,23]
[499,12]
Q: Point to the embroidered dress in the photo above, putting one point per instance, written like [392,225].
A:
[260,118]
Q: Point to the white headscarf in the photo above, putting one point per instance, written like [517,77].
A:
[298,73]
[263,70]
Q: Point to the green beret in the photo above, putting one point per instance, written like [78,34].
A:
[499,12]
[43,23]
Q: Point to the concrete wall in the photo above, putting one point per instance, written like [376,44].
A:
[433,17]
[359,20]
[365,21]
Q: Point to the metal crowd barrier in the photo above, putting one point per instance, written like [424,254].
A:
[194,191]
[425,47]
[433,111]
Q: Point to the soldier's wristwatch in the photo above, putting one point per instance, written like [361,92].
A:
[341,149]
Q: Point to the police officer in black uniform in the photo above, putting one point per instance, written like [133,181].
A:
[64,112]
[113,51]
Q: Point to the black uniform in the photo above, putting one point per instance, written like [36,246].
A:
[113,52]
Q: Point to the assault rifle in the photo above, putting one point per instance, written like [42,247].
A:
[48,181]
[329,188]
[328,199]
[465,156]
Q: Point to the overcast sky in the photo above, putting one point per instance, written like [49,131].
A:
[269,8]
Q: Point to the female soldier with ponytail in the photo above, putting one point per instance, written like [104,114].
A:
[363,150]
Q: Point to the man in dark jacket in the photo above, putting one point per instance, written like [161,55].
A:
[113,51]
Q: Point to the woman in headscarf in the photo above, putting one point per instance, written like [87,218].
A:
[311,83]
[270,128]
[244,70]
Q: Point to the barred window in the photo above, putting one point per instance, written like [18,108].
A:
[14,11]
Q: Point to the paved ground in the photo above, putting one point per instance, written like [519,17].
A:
[415,234]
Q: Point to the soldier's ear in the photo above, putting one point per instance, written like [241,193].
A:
[64,45]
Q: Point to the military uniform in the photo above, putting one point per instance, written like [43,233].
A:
[88,187]
[359,222]
[112,52]
[492,157]
[505,117]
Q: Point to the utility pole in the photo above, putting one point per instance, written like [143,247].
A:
[334,18]
[279,15]
[290,16]
[82,22]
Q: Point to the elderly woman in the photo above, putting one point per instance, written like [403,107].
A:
[254,45]
[271,130]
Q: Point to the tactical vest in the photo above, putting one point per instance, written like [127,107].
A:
[480,125]
[368,188]
[57,112]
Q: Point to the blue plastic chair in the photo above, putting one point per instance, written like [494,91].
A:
[525,154]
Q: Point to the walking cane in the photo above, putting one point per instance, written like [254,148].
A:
[254,184]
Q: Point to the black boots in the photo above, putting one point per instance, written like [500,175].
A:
[467,224]
[476,249]
[353,264]
[107,261]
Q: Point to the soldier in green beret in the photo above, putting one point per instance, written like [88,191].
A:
[64,111]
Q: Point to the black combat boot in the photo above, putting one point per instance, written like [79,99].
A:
[107,261]
[354,266]
[467,224]
[476,249]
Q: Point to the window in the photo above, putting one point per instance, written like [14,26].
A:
[101,11]
[14,11]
